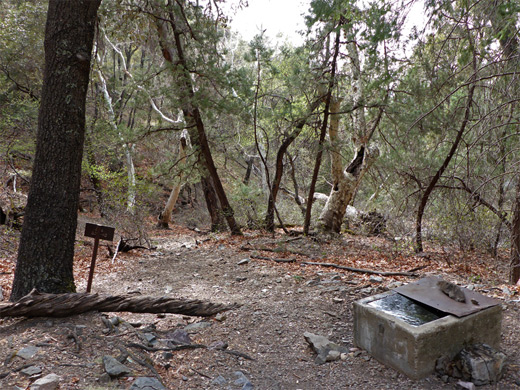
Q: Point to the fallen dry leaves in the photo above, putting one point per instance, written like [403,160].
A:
[372,253]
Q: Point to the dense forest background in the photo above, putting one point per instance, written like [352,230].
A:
[415,128]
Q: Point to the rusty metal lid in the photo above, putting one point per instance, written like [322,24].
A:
[428,292]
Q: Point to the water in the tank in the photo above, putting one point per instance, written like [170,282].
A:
[406,309]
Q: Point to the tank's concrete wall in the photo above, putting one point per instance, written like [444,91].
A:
[413,350]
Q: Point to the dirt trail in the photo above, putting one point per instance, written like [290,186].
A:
[279,303]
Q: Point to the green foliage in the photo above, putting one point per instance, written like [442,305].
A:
[18,122]
[21,64]
[421,93]
[456,220]
[249,204]
[21,46]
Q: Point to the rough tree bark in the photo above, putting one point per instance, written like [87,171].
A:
[37,304]
[46,250]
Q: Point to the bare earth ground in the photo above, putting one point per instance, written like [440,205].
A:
[279,302]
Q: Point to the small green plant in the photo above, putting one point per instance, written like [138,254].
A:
[475,279]
[298,278]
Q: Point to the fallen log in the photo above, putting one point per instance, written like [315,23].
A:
[361,270]
[273,259]
[275,250]
[37,304]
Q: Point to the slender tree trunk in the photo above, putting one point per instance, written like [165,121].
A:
[295,185]
[166,215]
[249,161]
[514,276]
[46,250]
[269,218]
[218,223]
[193,116]
[323,132]
[131,197]
[345,182]
[91,157]
[501,193]
[440,171]
[210,196]
[504,25]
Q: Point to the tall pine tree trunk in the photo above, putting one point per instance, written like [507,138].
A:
[46,250]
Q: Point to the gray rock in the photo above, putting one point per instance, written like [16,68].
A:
[466,385]
[79,329]
[375,279]
[27,352]
[195,327]
[48,382]
[179,337]
[167,355]
[150,338]
[147,383]
[104,378]
[114,368]
[116,321]
[219,380]
[395,284]
[480,364]
[220,317]
[313,282]
[219,345]
[326,350]
[32,370]
[242,380]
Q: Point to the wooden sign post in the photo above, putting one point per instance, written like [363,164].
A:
[97,232]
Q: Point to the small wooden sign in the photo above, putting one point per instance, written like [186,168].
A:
[98,232]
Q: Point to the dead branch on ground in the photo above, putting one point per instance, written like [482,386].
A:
[273,259]
[361,270]
[37,304]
